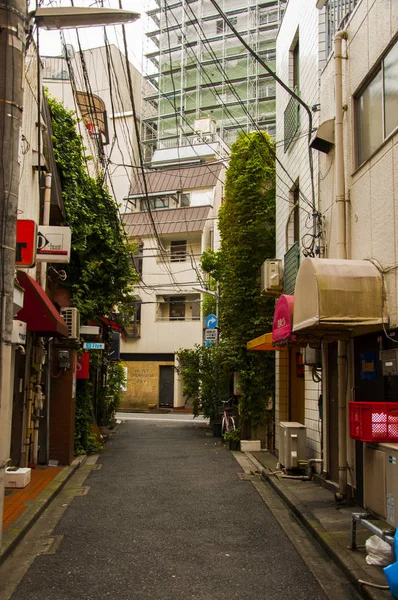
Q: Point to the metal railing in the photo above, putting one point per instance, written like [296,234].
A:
[337,14]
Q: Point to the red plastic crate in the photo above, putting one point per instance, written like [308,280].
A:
[374,421]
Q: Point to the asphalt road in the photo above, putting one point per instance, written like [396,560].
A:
[168,518]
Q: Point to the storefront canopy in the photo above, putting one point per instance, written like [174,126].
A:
[282,325]
[337,297]
[38,312]
[263,342]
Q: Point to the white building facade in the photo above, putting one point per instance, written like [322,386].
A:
[170,238]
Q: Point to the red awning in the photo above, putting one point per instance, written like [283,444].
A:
[38,312]
[282,325]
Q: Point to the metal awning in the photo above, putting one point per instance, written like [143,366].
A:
[263,342]
[337,297]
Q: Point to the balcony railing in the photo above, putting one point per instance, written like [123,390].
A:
[337,14]
[291,120]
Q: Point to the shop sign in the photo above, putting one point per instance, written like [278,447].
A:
[94,346]
[53,244]
[83,366]
[26,235]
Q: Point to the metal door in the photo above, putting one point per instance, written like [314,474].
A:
[166,386]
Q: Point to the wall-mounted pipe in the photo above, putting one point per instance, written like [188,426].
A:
[341,253]
[46,221]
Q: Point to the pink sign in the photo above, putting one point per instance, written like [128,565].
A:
[283,320]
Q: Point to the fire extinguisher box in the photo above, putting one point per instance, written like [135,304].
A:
[18,478]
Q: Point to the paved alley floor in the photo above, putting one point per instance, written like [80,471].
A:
[166,517]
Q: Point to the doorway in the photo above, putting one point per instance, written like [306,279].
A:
[166,386]
[296,385]
[17,409]
[333,413]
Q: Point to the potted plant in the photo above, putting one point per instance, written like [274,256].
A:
[233,439]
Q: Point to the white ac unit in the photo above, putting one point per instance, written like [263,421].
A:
[292,444]
[271,277]
[71,316]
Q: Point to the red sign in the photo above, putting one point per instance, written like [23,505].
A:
[25,254]
[83,366]
[282,325]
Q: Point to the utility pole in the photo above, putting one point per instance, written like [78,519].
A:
[13,21]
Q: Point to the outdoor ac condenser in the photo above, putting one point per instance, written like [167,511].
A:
[292,444]
[71,316]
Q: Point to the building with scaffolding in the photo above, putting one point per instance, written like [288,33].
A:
[199,69]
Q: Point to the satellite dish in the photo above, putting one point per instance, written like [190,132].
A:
[68,51]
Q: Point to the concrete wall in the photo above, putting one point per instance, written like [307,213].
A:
[303,21]
[142,384]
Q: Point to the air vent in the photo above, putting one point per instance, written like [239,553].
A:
[71,317]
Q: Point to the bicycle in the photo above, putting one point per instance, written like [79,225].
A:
[228,421]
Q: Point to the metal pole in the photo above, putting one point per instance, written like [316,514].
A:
[12,50]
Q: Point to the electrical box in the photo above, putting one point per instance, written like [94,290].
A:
[271,277]
[292,444]
[389,361]
[64,359]
[312,357]
[71,316]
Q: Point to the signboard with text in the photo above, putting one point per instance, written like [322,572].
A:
[26,236]
[53,244]
[94,346]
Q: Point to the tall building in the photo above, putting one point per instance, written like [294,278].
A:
[199,69]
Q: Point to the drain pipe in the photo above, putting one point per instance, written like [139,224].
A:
[46,221]
[342,370]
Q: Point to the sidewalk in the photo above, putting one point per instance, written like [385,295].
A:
[22,507]
[329,523]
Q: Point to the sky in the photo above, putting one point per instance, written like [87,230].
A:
[92,37]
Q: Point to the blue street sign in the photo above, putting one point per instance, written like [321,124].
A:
[211,322]
[94,346]
[208,343]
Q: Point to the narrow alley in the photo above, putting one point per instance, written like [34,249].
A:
[166,513]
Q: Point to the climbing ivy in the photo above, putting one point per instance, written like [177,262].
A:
[100,274]
[247,229]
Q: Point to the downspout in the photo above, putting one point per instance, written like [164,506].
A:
[342,370]
[46,221]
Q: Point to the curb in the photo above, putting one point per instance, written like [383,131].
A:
[336,552]
[14,534]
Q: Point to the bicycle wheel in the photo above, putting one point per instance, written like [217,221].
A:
[223,425]
[232,425]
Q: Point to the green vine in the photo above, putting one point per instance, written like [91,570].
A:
[100,274]
[247,229]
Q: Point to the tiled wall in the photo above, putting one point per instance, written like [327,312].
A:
[303,18]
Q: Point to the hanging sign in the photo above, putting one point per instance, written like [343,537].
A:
[94,346]
[83,366]
[26,234]
[53,244]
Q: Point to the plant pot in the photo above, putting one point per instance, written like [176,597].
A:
[216,429]
[234,444]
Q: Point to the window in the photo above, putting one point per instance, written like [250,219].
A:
[177,308]
[267,16]
[296,214]
[296,66]
[178,251]
[195,309]
[377,107]
[138,258]
[220,26]
[154,203]
[185,200]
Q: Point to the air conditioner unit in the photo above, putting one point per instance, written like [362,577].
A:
[271,277]
[292,444]
[71,317]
